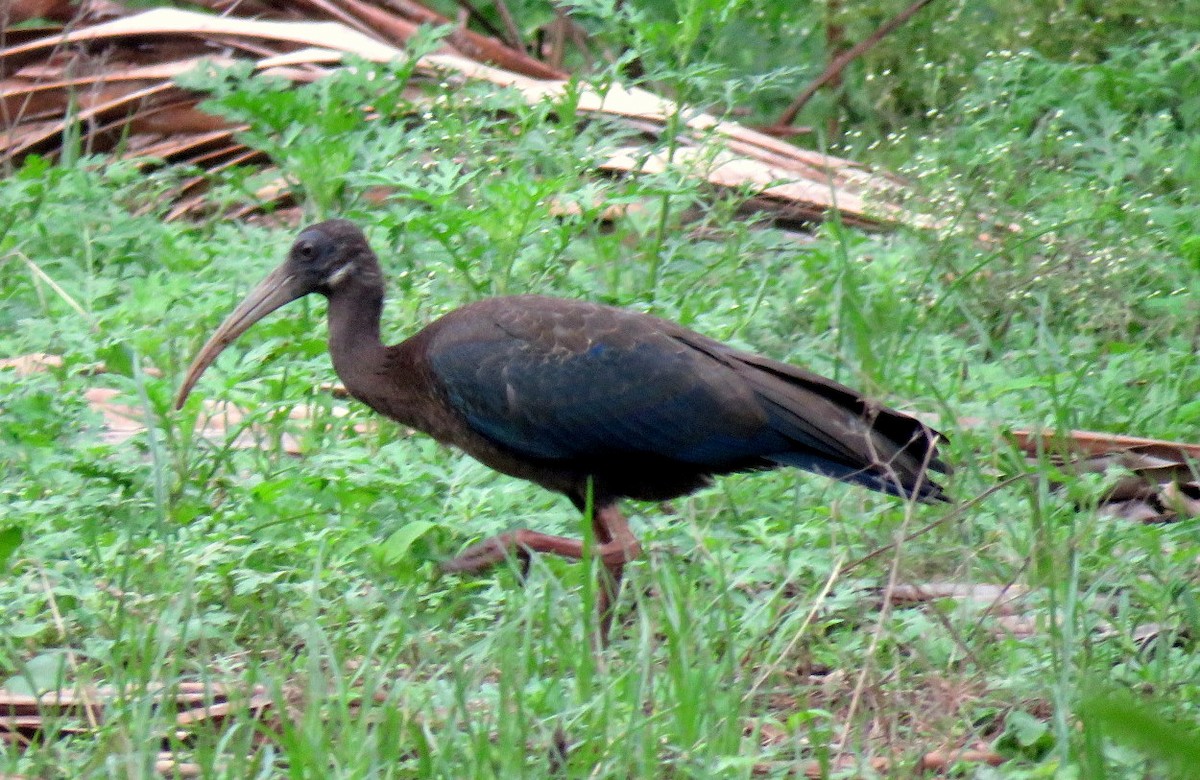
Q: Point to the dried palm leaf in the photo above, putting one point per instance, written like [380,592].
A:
[113,80]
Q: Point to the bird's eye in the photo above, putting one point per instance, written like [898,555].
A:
[306,250]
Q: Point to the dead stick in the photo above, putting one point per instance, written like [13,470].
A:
[839,63]
[511,36]
[510,24]
[558,39]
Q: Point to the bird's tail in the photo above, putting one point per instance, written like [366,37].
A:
[839,433]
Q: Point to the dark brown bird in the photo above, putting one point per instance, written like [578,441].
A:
[577,396]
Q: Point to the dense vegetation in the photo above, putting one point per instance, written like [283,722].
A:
[1060,289]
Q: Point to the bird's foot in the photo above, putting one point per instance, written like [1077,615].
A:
[615,546]
[490,552]
[520,544]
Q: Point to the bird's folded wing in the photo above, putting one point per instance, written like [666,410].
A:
[645,395]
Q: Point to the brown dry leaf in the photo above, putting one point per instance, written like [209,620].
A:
[1009,615]
[33,363]
[45,135]
[24,10]
[774,187]
[770,733]
[219,711]
[998,599]
[941,760]
[167,765]
[217,422]
[1096,443]
[121,422]
[37,362]
[73,700]
[14,11]
[182,147]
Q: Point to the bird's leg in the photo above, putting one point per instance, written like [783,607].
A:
[615,546]
[612,532]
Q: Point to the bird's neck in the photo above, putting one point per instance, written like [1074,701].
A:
[354,312]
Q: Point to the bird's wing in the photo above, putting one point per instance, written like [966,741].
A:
[834,430]
[887,432]
[565,380]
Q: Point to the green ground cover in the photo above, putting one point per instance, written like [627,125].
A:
[750,641]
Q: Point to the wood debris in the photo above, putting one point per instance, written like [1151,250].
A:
[937,761]
[1012,609]
[1157,480]
[1154,480]
[77,711]
[26,719]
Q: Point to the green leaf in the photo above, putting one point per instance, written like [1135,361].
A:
[1025,735]
[43,672]
[34,168]
[26,629]
[118,359]
[1189,248]
[395,548]
[1027,729]
[1187,412]
[1144,726]
[10,540]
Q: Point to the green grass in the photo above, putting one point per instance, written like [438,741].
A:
[750,640]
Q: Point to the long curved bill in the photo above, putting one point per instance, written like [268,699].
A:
[272,292]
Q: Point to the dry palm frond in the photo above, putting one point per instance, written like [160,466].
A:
[112,81]
[1151,480]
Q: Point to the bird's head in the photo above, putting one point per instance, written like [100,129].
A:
[325,258]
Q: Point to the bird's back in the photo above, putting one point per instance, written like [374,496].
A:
[558,390]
